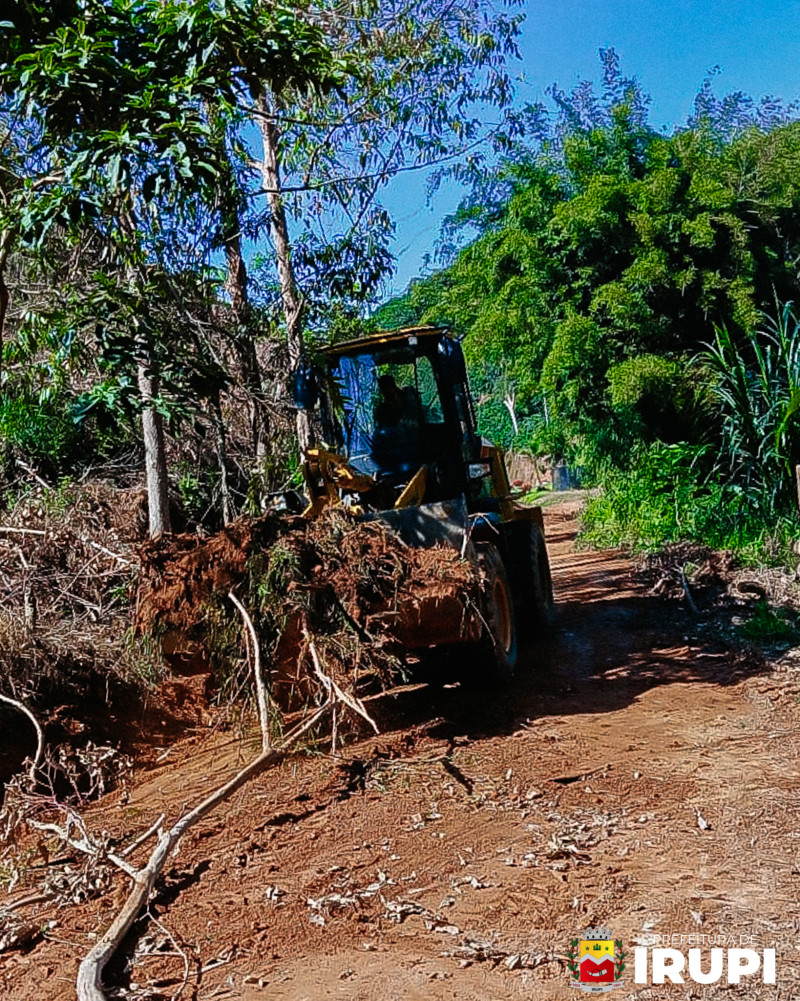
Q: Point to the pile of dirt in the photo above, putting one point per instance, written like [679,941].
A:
[180,574]
[355,587]
[75,573]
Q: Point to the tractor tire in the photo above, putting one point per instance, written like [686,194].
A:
[531,582]
[499,641]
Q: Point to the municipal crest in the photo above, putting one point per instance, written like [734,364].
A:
[596,961]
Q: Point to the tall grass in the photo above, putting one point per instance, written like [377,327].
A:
[673,493]
[756,385]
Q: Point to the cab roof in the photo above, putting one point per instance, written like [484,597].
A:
[363,345]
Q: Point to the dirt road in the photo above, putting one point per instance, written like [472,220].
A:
[634,776]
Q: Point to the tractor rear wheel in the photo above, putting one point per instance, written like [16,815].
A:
[530,578]
[499,640]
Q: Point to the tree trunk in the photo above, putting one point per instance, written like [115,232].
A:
[222,462]
[4,299]
[510,405]
[279,231]
[6,241]
[155,455]
[236,287]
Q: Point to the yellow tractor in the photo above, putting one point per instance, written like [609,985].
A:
[400,444]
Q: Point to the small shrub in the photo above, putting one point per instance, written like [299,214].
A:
[39,430]
[772,624]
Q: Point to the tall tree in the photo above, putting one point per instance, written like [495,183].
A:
[426,78]
[129,131]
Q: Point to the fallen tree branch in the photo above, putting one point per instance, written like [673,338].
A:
[83,844]
[261,691]
[90,973]
[107,552]
[334,690]
[32,472]
[37,760]
[143,837]
[29,901]
[180,952]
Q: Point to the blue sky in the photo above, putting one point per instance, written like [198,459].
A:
[669,46]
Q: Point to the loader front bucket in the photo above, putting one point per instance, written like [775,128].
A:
[428,525]
[442,613]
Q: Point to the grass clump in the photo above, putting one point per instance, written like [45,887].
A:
[672,493]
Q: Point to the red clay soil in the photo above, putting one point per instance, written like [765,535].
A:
[179,573]
[635,775]
[386,588]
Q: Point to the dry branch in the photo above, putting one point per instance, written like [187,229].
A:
[333,690]
[83,844]
[261,691]
[180,952]
[109,552]
[131,848]
[90,972]
[39,735]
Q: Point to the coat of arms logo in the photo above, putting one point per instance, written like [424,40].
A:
[596,961]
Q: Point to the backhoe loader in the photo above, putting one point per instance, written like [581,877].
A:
[399,443]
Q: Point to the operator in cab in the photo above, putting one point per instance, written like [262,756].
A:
[397,417]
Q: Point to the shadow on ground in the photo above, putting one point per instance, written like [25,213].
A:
[612,641]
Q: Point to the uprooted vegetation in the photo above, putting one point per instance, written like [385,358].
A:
[100,630]
[327,606]
[354,587]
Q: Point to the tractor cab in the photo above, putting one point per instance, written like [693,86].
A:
[397,412]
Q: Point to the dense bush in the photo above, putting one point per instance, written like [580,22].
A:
[613,310]
[671,493]
[58,435]
[40,430]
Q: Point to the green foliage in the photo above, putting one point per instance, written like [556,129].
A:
[605,272]
[39,430]
[195,489]
[281,569]
[661,498]
[661,397]
[641,378]
[772,624]
[592,290]
[672,493]
[756,386]
[58,434]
